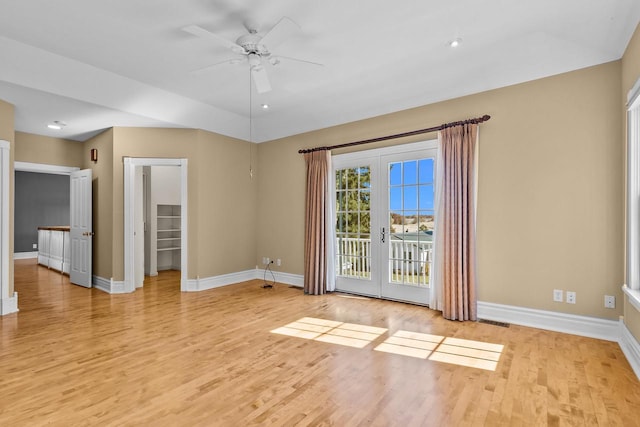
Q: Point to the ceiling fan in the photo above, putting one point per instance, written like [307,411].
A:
[253,46]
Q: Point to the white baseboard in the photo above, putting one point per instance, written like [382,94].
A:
[592,327]
[630,347]
[202,284]
[9,305]
[109,286]
[296,280]
[25,255]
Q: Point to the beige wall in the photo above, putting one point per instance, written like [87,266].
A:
[550,188]
[222,197]
[102,187]
[47,150]
[630,74]
[631,63]
[139,142]
[7,133]
[227,205]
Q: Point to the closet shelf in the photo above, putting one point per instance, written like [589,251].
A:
[168,236]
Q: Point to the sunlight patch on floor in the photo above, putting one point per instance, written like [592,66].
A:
[411,344]
[474,354]
[329,331]
[457,351]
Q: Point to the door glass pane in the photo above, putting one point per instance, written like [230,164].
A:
[395,174]
[353,225]
[425,171]
[411,220]
[425,196]
[410,193]
[410,172]
[395,198]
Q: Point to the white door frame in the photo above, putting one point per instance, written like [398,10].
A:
[130,164]
[43,168]
[8,304]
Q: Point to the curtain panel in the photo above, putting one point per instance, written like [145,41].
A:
[455,275]
[316,260]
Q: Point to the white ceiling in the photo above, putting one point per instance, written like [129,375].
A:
[98,64]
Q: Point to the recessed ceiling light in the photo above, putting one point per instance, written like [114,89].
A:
[265,106]
[57,125]
[455,42]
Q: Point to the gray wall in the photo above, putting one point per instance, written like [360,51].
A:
[40,199]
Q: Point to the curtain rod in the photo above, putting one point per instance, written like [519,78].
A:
[399,135]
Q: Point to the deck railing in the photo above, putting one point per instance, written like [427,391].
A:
[410,260]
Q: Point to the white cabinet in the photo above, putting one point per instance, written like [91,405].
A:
[54,248]
[168,235]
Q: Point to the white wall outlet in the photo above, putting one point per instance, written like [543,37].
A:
[557,295]
[265,260]
[609,301]
[571,297]
[35,246]
[278,262]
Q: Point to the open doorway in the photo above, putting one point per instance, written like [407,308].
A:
[158,234]
[54,210]
[155,219]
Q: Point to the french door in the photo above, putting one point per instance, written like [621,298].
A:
[384,221]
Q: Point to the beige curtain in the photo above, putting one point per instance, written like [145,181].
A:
[315,224]
[455,230]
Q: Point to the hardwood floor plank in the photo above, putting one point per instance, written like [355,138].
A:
[75,356]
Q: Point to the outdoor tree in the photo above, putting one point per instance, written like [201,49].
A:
[353,200]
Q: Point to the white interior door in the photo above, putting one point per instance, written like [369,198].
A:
[384,221]
[81,234]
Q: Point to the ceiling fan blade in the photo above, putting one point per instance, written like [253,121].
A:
[260,78]
[208,35]
[280,32]
[275,60]
[208,68]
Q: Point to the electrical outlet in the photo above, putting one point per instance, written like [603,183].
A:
[557,295]
[35,246]
[265,260]
[609,301]
[278,262]
[571,297]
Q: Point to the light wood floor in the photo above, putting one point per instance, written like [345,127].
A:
[75,356]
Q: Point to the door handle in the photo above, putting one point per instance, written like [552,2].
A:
[382,235]
[88,233]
